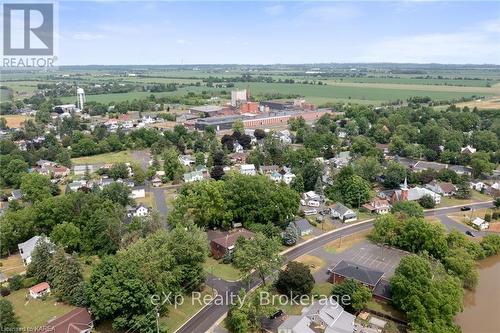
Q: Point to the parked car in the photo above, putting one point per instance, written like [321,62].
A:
[277,314]
[465,208]
[470,233]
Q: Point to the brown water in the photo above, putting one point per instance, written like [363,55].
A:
[482,307]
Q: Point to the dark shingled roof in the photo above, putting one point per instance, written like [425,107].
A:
[231,238]
[357,272]
[383,290]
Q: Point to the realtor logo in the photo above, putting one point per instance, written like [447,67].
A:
[28,29]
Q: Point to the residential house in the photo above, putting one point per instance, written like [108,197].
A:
[193,176]
[384,147]
[26,248]
[248,169]
[442,188]
[480,223]
[303,226]
[460,169]
[341,159]
[311,195]
[15,195]
[325,317]
[424,165]
[288,178]
[138,211]
[238,158]
[39,290]
[75,186]
[468,150]
[60,171]
[138,191]
[408,194]
[275,177]
[341,212]
[266,169]
[378,206]
[187,160]
[226,244]
[478,185]
[156,181]
[78,320]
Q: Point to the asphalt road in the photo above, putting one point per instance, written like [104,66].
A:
[208,316]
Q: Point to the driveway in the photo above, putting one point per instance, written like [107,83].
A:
[451,224]
[161,204]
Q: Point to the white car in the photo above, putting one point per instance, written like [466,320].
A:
[310,212]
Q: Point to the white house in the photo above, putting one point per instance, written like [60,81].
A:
[237,147]
[193,176]
[26,248]
[248,169]
[139,211]
[38,290]
[468,150]
[341,212]
[288,178]
[186,160]
[442,188]
[480,223]
[478,186]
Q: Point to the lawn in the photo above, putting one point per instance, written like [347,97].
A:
[386,309]
[88,263]
[464,217]
[12,265]
[116,157]
[148,200]
[344,243]
[452,201]
[178,316]
[223,271]
[34,312]
[314,263]
[322,289]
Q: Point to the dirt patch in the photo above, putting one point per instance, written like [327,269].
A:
[15,121]
[492,103]
[12,265]
[495,227]
[314,263]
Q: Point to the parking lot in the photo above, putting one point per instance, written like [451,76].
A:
[366,253]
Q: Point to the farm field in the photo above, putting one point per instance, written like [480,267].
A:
[15,121]
[116,157]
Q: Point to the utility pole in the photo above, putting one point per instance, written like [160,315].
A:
[157,320]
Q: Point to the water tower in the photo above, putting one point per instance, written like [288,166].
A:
[80,95]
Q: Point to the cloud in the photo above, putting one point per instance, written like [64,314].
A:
[274,10]
[332,13]
[87,36]
[183,42]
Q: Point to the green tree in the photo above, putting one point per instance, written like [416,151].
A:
[491,244]
[171,165]
[367,167]
[298,183]
[238,126]
[408,208]
[260,254]
[8,320]
[351,294]
[35,187]
[66,235]
[117,192]
[427,202]
[139,174]
[66,278]
[291,235]
[200,158]
[480,163]
[394,174]
[41,257]
[461,264]
[295,279]
[12,169]
[118,170]
[463,190]
[237,320]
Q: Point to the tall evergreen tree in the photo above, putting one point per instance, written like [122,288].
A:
[66,278]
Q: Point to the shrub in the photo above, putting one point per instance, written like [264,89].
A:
[296,279]
[4,291]
[494,216]
[28,282]
[15,282]
[487,217]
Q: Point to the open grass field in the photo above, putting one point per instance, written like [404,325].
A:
[35,312]
[223,271]
[148,200]
[451,201]
[15,120]
[178,316]
[342,244]
[12,265]
[116,157]
[314,263]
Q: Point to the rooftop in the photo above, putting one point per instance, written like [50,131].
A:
[357,272]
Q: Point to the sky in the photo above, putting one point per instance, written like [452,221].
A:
[234,32]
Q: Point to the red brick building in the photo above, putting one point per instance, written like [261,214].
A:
[220,246]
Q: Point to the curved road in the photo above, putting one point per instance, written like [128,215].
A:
[204,320]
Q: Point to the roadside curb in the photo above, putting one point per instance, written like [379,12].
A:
[197,312]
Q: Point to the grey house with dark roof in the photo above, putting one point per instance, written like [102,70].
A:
[349,270]
[304,227]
